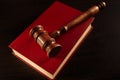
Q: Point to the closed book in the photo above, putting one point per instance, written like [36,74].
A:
[58,14]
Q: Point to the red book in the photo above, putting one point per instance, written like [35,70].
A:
[58,14]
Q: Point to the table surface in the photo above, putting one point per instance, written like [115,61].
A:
[97,58]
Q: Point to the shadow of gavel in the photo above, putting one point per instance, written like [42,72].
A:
[47,41]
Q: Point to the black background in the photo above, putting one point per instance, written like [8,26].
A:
[97,58]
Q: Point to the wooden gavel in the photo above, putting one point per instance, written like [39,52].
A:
[47,41]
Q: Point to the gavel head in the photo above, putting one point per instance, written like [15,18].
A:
[43,39]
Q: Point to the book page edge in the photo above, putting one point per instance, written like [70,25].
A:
[32,64]
[80,40]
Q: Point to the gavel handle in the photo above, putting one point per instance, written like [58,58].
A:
[78,20]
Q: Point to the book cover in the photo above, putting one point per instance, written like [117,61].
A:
[26,49]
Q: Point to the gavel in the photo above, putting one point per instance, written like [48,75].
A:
[47,40]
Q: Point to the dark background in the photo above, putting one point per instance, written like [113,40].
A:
[97,58]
